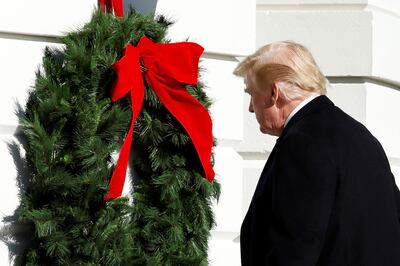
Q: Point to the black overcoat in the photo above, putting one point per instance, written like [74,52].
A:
[326,196]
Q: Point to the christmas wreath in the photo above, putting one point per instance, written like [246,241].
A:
[71,130]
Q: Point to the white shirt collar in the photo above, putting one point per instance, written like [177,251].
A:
[298,107]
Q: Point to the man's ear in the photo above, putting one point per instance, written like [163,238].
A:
[275,93]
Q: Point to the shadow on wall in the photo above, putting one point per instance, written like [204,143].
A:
[13,226]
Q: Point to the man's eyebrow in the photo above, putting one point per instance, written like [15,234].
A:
[247,90]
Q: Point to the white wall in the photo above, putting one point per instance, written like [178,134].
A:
[44,17]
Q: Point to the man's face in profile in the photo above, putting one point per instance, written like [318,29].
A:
[263,106]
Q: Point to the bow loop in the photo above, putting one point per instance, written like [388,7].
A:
[178,61]
[129,73]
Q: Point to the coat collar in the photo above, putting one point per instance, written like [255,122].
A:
[315,105]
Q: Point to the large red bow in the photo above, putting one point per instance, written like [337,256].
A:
[167,66]
[112,6]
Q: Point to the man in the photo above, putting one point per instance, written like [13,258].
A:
[326,196]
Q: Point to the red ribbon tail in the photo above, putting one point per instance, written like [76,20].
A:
[129,78]
[118,178]
[192,115]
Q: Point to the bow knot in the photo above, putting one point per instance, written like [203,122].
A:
[165,67]
[143,69]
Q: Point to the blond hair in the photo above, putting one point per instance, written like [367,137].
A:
[290,65]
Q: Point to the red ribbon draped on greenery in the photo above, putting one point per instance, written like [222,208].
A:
[115,6]
[165,67]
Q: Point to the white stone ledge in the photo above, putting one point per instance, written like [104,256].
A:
[313,2]
[388,7]
[328,7]
[250,155]
[311,7]
[222,56]
[25,36]
[393,84]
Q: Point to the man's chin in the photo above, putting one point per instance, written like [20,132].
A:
[265,131]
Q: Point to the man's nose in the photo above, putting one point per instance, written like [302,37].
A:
[251,110]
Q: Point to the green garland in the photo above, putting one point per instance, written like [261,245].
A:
[71,128]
